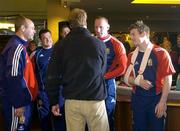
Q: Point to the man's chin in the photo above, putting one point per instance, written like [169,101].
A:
[30,38]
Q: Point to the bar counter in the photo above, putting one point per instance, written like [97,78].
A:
[123,113]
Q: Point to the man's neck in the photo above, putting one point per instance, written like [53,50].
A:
[104,37]
[144,45]
[45,47]
[20,35]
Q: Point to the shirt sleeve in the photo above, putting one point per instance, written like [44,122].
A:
[16,88]
[119,64]
[165,66]
[53,76]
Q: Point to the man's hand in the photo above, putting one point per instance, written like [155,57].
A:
[19,111]
[56,110]
[160,109]
[145,84]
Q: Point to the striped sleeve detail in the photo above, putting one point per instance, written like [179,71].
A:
[15,61]
[14,121]
[170,61]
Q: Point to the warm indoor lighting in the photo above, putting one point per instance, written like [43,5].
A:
[65,4]
[156,2]
[10,26]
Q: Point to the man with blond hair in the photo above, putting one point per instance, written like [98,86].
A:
[78,64]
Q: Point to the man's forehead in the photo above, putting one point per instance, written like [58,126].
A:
[29,21]
[134,30]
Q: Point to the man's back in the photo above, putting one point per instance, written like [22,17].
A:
[78,63]
[81,62]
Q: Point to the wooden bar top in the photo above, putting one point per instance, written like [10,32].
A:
[124,94]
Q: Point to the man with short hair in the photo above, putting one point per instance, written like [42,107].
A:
[150,73]
[116,64]
[64,31]
[19,86]
[41,57]
[78,64]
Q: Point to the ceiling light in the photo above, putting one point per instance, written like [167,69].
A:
[156,2]
[65,4]
[99,8]
[173,6]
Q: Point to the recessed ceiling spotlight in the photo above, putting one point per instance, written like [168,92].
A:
[173,6]
[99,8]
[65,4]
[147,17]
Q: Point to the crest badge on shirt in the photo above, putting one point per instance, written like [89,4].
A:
[22,119]
[107,51]
[150,63]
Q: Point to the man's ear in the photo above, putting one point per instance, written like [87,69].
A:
[108,27]
[22,28]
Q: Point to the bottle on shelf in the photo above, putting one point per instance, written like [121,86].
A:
[178,82]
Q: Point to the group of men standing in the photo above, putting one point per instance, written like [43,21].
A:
[83,69]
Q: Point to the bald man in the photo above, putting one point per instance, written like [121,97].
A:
[19,86]
[116,64]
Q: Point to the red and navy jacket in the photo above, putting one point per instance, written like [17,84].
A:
[116,57]
[19,85]
[158,66]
